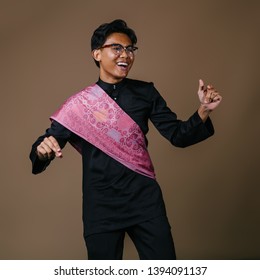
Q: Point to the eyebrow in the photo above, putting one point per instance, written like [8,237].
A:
[121,45]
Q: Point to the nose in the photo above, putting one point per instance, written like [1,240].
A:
[124,53]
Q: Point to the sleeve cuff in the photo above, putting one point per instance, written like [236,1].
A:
[208,125]
[38,165]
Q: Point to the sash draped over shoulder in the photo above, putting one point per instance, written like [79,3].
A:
[97,118]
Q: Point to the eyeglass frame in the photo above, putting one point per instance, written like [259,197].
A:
[130,53]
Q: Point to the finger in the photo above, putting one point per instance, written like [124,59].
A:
[43,152]
[214,94]
[57,148]
[207,96]
[201,85]
[52,143]
[217,98]
[55,143]
[47,151]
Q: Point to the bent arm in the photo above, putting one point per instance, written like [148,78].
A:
[179,133]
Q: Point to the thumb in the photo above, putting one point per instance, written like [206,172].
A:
[59,154]
[201,85]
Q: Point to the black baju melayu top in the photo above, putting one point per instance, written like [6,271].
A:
[115,197]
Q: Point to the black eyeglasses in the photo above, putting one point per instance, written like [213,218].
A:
[118,49]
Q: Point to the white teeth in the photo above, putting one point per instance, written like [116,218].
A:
[122,64]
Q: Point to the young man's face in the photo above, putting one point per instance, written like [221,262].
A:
[114,65]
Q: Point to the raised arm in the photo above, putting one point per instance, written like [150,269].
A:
[185,133]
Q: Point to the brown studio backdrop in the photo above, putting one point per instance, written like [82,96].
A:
[211,189]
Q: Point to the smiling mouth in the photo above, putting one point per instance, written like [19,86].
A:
[122,64]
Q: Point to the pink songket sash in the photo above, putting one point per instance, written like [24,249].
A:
[97,118]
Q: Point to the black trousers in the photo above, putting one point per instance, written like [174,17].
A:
[152,239]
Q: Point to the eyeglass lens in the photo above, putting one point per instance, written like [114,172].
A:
[118,49]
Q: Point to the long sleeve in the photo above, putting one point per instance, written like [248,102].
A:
[179,133]
[60,133]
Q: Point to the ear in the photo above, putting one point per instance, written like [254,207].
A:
[96,54]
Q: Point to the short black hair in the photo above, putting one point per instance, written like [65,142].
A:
[104,30]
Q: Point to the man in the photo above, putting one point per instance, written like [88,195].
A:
[107,123]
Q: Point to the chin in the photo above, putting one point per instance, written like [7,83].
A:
[121,76]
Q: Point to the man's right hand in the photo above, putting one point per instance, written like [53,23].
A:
[49,149]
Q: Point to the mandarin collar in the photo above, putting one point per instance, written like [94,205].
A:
[108,87]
